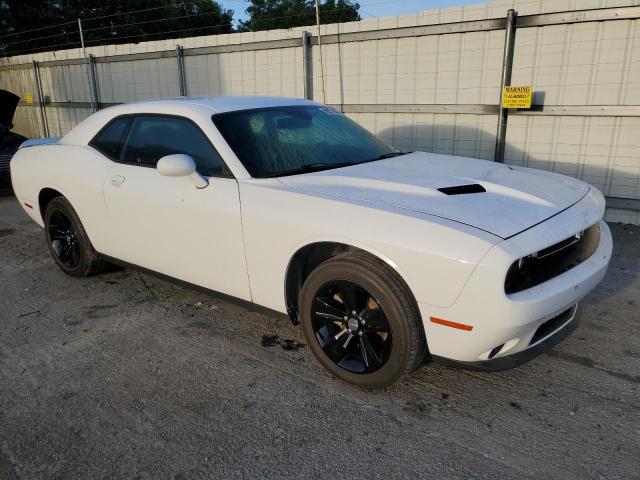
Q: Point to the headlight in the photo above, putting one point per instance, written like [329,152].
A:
[534,269]
[517,274]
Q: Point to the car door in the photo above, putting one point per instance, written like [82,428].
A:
[166,224]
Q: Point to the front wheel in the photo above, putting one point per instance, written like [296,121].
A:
[360,320]
[68,242]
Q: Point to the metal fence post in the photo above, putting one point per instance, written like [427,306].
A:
[182,80]
[507,67]
[43,117]
[307,66]
[93,83]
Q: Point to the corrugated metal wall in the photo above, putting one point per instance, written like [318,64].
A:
[121,82]
[430,87]
[275,72]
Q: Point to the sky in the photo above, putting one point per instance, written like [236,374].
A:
[374,8]
[384,8]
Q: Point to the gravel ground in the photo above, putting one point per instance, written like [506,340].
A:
[125,376]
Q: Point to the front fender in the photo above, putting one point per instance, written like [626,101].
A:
[434,256]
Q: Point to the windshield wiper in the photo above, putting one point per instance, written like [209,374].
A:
[308,168]
[319,166]
[390,155]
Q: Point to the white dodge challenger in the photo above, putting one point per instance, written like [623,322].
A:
[386,258]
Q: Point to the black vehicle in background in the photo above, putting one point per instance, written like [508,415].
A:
[9,142]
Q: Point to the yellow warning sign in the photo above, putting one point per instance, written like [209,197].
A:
[517,96]
[28,97]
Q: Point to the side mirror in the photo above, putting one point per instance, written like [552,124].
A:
[181,165]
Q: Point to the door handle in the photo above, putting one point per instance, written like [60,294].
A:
[117,180]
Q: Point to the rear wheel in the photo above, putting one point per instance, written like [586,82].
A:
[68,242]
[360,320]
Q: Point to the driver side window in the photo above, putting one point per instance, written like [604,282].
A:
[152,137]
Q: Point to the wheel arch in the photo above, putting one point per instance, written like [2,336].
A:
[309,256]
[45,196]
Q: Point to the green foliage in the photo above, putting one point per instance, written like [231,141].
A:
[176,18]
[274,14]
[52,24]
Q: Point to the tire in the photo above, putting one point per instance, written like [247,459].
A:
[65,233]
[359,278]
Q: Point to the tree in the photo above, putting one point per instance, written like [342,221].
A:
[105,22]
[274,14]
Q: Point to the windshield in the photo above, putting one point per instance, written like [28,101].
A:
[281,141]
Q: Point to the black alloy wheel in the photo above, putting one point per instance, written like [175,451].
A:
[361,321]
[64,239]
[68,242]
[351,327]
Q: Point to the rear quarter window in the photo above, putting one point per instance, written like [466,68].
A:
[111,138]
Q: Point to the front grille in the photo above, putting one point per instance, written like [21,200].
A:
[550,262]
[550,326]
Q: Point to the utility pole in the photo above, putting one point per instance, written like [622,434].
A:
[88,64]
[324,99]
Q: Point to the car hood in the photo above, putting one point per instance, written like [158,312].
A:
[514,199]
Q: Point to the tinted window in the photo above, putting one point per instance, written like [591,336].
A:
[288,140]
[110,140]
[151,138]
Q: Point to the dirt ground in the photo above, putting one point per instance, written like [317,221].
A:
[125,376]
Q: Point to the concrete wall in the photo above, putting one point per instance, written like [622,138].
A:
[431,90]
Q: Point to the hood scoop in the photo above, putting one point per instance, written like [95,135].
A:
[462,189]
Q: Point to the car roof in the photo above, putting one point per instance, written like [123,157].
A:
[191,107]
[223,104]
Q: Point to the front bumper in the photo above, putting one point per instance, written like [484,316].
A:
[511,321]
[497,364]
